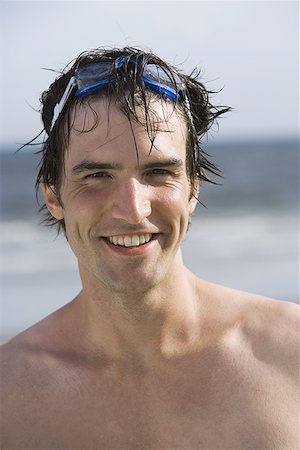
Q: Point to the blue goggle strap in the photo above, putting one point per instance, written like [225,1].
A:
[153,86]
[161,88]
[98,85]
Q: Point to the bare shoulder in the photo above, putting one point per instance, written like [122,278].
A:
[271,328]
[20,364]
[267,328]
[14,356]
[277,322]
[31,369]
[26,358]
[18,373]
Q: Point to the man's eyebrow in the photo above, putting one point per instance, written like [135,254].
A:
[93,165]
[164,163]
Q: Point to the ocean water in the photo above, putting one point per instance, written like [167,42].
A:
[246,237]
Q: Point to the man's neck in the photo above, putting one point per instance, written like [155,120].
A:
[156,324]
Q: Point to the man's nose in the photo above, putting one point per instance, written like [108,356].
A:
[132,201]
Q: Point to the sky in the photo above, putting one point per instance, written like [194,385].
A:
[247,50]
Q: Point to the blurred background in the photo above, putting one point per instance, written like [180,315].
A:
[247,236]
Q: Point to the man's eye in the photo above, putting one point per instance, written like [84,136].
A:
[160,172]
[97,175]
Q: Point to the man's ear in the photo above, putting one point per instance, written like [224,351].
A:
[194,196]
[52,202]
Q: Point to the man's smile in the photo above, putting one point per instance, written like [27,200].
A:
[130,241]
[131,245]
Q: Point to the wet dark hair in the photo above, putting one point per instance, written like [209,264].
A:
[129,91]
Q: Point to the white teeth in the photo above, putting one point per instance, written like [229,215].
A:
[127,241]
[135,240]
[120,240]
[142,239]
[130,241]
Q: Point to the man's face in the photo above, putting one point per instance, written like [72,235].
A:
[125,216]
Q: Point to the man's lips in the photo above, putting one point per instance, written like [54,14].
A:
[131,244]
[134,240]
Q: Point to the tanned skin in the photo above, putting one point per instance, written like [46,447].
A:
[147,356]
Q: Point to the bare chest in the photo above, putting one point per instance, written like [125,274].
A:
[211,408]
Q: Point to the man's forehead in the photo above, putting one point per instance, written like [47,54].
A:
[161,116]
[100,124]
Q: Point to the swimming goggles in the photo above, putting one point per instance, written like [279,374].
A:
[97,75]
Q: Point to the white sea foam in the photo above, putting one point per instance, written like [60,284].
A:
[30,248]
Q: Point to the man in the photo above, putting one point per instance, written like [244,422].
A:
[147,356]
